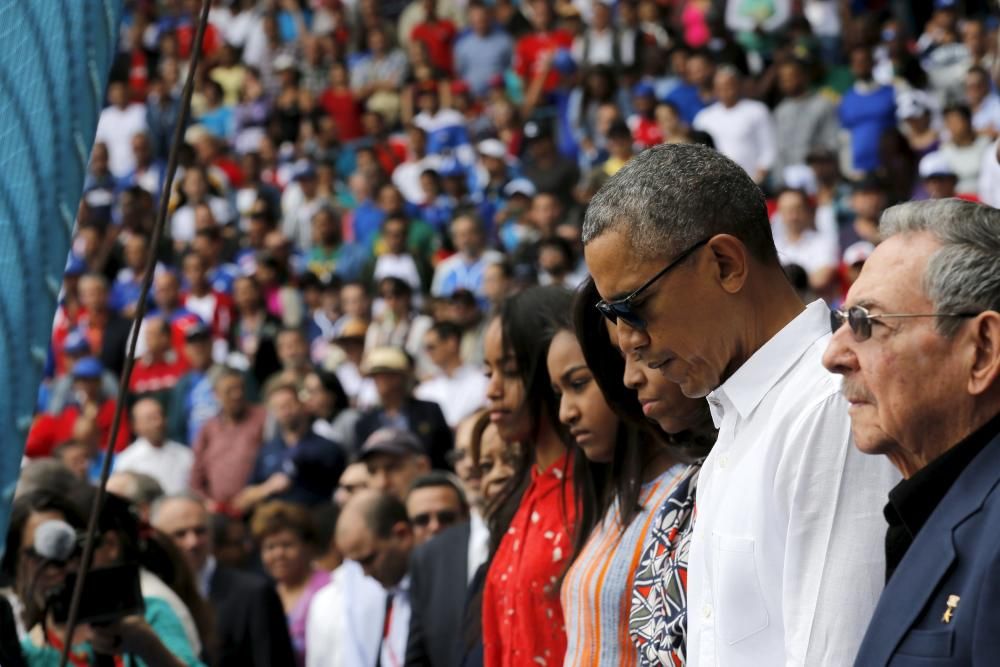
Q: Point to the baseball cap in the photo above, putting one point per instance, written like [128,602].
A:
[76,343]
[385,360]
[75,266]
[869,183]
[858,252]
[520,186]
[352,328]
[935,164]
[800,177]
[198,331]
[88,368]
[284,62]
[391,441]
[303,170]
[912,104]
[492,148]
[643,89]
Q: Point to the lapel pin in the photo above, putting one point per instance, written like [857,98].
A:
[952,606]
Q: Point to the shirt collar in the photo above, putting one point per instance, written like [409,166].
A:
[205,576]
[751,382]
[913,500]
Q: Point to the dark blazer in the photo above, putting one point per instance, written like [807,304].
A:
[250,625]
[114,343]
[956,553]
[426,422]
[438,584]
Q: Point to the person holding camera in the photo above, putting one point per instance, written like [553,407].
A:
[116,627]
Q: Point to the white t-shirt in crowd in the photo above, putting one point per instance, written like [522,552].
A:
[169,464]
[459,395]
[744,133]
[115,129]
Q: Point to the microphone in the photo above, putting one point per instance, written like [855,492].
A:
[55,540]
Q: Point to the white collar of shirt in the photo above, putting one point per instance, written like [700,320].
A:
[745,388]
[479,543]
[205,576]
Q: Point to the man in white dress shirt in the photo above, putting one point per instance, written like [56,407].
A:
[166,461]
[786,561]
[362,617]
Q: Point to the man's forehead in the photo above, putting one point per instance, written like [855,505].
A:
[613,265]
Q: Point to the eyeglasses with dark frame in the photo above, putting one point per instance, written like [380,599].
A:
[860,320]
[622,308]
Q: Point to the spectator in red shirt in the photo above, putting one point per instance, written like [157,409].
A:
[160,367]
[437,35]
[341,105]
[528,61]
[89,403]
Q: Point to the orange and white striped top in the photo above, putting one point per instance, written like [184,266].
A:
[597,588]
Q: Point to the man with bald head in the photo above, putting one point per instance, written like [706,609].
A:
[351,621]
[250,626]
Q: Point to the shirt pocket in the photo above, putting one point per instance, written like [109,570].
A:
[740,608]
[927,643]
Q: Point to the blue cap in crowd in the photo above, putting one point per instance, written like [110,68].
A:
[88,368]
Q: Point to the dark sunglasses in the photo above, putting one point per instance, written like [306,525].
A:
[444,519]
[621,309]
[860,320]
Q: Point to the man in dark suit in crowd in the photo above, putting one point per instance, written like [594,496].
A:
[439,569]
[920,356]
[392,372]
[250,625]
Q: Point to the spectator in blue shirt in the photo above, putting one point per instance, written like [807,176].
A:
[484,52]
[867,111]
[296,465]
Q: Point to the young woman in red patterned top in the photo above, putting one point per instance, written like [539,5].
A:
[531,527]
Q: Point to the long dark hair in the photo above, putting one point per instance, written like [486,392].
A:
[526,321]
[608,367]
[331,384]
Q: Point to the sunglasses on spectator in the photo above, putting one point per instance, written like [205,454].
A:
[860,320]
[622,309]
[444,518]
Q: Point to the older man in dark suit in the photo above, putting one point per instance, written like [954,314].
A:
[921,364]
[250,625]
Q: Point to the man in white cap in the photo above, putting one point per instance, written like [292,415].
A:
[938,176]
[392,372]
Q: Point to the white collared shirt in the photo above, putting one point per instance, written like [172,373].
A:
[347,617]
[787,557]
[479,543]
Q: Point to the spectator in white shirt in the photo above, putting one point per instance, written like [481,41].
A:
[166,461]
[989,176]
[602,43]
[964,149]
[799,242]
[741,129]
[983,101]
[119,122]
[786,562]
[458,388]
[364,619]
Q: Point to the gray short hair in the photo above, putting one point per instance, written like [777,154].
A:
[963,276]
[673,196]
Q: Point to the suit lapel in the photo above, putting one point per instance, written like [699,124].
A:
[929,558]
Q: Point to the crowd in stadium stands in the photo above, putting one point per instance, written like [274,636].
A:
[374,417]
